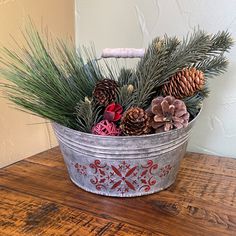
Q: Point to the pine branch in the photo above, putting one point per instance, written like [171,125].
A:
[194,103]
[53,80]
[85,73]
[125,77]
[47,81]
[158,65]
[216,63]
[199,49]
[221,42]
[124,97]
[150,68]
[111,68]
[193,48]
[88,114]
[156,59]
[92,68]
[213,66]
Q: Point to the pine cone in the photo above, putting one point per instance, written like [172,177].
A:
[184,83]
[135,122]
[105,91]
[167,113]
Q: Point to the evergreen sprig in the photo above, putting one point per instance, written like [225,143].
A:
[194,102]
[124,97]
[54,80]
[213,66]
[150,69]
[125,77]
[48,81]
[167,56]
[88,114]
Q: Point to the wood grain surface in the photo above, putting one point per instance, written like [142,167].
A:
[38,198]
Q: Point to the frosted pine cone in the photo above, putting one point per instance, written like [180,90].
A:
[167,113]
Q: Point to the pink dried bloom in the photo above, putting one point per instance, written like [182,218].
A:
[106,128]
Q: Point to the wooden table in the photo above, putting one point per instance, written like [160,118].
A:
[37,198]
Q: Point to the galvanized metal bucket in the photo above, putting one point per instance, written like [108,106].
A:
[123,166]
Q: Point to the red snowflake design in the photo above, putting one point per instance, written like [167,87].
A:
[81,169]
[122,176]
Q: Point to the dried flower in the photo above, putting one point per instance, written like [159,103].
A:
[106,128]
[113,112]
[130,88]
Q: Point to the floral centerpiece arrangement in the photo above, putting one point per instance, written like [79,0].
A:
[70,87]
[163,92]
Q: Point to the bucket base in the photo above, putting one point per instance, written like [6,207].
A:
[119,196]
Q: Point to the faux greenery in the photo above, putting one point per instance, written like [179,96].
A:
[167,56]
[48,81]
[88,114]
[52,79]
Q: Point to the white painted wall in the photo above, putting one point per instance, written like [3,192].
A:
[133,23]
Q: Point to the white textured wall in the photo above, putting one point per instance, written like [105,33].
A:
[133,23]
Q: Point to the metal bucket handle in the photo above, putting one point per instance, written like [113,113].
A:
[123,53]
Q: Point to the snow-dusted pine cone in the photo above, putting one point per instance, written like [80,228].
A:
[167,113]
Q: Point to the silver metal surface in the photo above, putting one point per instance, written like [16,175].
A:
[123,166]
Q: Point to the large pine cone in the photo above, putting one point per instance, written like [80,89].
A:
[184,83]
[105,91]
[167,113]
[135,121]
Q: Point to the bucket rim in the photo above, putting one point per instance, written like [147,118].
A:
[161,134]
